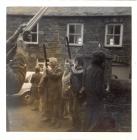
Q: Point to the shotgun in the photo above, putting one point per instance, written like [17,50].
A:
[32,22]
[68,47]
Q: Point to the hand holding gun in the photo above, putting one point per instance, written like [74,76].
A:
[11,43]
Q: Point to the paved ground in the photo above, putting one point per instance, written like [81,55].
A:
[22,118]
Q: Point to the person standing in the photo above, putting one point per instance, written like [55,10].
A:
[34,88]
[76,81]
[94,89]
[66,90]
[15,67]
[52,89]
[16,63]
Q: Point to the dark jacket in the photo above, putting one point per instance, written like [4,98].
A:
[36,79]
[15,74]
[16,64]
[94,84]
[51,84]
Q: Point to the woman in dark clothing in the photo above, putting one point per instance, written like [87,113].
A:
[94,89]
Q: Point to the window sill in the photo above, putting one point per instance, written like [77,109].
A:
[114,46]
[114,64]
[76,45]
[31,43]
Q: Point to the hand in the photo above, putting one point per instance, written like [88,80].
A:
[21,28]
[82,90]
[49,68]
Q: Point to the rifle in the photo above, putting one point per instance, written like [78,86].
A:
[46,65]
[45,55]
[67,45]
[32,22]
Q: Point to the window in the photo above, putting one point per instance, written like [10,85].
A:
[32,38]
[75,34]
[114,35]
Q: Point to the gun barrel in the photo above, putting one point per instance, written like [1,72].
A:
[45,54]
[67,44]
[33,21]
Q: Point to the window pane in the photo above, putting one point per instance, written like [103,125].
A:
[28,38]
[78,39]
[117,29]
[110,29]
[110,40]
[71,29]
[117,40]
[34,38]
[78,29]
[34,29]
[71,39]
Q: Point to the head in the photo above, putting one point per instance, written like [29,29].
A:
[98,58]
[27,36]
[22,46]
[37,69]
[53,62]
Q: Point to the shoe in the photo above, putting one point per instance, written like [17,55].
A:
[57,125]
[73,130]
[45,119]
[34,109]
[53,122]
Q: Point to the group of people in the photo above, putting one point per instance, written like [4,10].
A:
[84,90]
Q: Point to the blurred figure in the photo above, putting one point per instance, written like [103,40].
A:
[76,81]
[66,90]
[34,88]
[94,89]
[51,81]
[16,64]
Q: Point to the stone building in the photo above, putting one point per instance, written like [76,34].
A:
[87,27]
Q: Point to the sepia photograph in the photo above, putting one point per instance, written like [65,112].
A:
[68,69]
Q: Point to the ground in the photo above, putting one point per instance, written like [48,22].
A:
[22,118]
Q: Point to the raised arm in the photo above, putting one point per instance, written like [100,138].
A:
[12,39]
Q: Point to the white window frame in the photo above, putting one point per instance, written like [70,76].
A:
[121,36]
[82,32]
[26,42]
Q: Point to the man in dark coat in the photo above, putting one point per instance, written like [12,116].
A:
[16,65]
[94,89]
